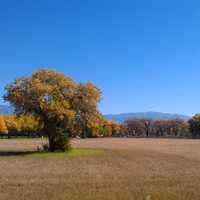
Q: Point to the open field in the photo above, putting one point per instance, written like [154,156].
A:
[126,169]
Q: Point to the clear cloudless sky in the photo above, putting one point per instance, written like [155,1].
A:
[143,54]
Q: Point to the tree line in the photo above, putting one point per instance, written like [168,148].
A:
[28,126]
[51,104]
[157,128]
[162,128]
[176,128]
[19,126]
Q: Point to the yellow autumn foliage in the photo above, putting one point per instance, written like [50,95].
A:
[3,128]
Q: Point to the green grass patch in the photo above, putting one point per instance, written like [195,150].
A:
[71,153]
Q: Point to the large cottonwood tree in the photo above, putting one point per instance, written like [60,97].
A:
[47,95]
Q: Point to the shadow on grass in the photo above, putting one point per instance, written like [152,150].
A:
[71,153]
[16,153]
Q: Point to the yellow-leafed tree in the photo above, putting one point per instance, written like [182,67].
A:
[85,104]
[110,128]
[47,95]
[12,124]
[3,128]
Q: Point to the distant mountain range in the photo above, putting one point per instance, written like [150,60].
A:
[7,110]
[151,115]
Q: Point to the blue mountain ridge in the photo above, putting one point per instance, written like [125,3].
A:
[151,115]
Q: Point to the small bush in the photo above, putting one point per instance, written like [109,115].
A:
[45,147]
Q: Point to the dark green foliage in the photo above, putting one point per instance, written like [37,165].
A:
[59,140]
[194,126]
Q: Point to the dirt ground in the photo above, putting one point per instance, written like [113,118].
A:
[127,169]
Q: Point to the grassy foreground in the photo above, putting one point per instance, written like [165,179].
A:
[78,152]
[127,169]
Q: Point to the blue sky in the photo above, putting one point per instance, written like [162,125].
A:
[143,54]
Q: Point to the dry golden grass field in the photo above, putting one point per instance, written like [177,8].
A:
[122,169]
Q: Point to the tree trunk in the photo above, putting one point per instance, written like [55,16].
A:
[84,133]
[57,136]
[147,133]
[52,144]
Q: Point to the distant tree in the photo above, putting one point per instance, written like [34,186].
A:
[116,128]
[134,127]
[29,125]
[12,125]
[109,128]
[24,125]
[147,124]
[179,128]
[139,126]
[106,131]
[156,128]
[3,128]
[171,128]
[85,104]
[47,95]
[194,126]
